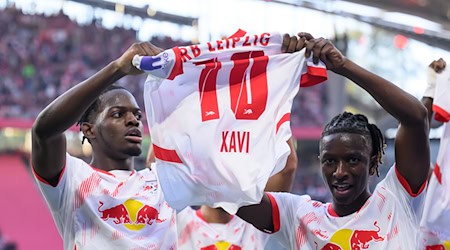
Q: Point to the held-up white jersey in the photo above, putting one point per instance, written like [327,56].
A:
[220,121]
[435,223]
[194,233]
[388,220]
[96,209]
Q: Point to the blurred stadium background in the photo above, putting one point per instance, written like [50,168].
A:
[48,46]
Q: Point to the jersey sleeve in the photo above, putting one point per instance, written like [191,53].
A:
[395,183]
[62,196]
[285,221]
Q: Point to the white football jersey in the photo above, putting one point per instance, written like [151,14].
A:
[194,233]
[435,223]
[220,121]
[388,220]
[118,209]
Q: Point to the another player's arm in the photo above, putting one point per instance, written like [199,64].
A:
[48,139]
[283,181]
[411,143]
[436,66]
[259,215]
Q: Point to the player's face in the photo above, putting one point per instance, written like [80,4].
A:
[118,125]
[345,161]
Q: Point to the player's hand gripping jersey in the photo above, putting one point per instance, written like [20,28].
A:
[436,216]
[219,116]
[92,209]
[194,233]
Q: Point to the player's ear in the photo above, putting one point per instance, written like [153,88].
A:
[88,131]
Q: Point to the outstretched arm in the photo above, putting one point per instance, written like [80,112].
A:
[283,181]
[48,140]
[411,142]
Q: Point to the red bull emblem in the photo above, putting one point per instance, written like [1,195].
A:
[435,247]
[346,239]
[361,238]
[118,214]
[443,246]
[133,214]
[222,245]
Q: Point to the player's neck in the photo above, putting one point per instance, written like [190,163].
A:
[215,215]
[108,164]
[347,209]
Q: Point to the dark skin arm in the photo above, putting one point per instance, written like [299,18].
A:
[48,139]
[283,181]
[411,149]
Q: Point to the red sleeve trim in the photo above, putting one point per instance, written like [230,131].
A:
[200,215]
[406,186]
[166,154]
[286,118]
[178,67]
[331,211]
[313,76]
[441,114]
[275,213]
[46,182]
[437,172]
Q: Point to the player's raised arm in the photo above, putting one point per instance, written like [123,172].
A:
[48,140]
[411,142]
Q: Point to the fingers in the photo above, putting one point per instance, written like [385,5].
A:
[438,65]
[300,43]
[285,43]
[145,48]
[305,35]
[149,49]
[294,43]
[317,49]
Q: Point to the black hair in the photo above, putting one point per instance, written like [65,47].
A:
[88,115]
[358,124]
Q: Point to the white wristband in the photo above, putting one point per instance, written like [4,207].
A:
[431,83]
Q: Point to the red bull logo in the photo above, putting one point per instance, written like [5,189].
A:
[346,239]
[132,214]
[444,246]
[222,245]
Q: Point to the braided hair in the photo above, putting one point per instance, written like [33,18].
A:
[358,124]
[90,112]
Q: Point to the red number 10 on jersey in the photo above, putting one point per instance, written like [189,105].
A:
[243,108]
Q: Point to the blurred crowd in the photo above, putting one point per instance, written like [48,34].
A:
[43,56]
